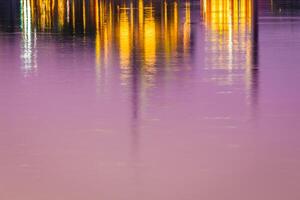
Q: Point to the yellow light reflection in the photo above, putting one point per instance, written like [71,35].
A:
[124,44]
[61,14]
[84,15]
[187,27]
[229,29]
[97,20]
[135,28]
[73,16]
[149,38]
[141,23]
[174,33]
[124,39]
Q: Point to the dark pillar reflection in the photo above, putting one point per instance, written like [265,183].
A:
[255,57]
[135,105]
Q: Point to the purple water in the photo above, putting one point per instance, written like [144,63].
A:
[150,100]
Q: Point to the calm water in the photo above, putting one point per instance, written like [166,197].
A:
[141,100]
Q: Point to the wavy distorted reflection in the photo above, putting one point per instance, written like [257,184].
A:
[231,39]
[153,25]
[143,42]
[139,28]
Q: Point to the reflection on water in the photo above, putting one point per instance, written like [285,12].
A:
[143,27]
[28,54]
[144,99]
[232,36]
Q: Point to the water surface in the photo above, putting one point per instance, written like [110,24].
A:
[146,100]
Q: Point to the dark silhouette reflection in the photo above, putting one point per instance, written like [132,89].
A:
[135,106]
[279,7]
[255,57]
[285,7]
[9,15]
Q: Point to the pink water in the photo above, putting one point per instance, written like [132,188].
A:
[213,114]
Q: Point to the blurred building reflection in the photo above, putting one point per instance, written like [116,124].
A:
[132,32]
[149,40]
[156,24]
[136,30]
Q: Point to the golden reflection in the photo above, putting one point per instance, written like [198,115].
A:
[229,30]
[174,33]
[73,16]
[187,27]
[141,23]
[45,12]
[97,40]
[84,16]
[61,14]
[141,13]
[149,38]
[170,21]
[125,46]
[98,47]
[165,30]
[97,21]
[124,38]
[131,28]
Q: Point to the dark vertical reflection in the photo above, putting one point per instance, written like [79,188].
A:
[255,58]
[135,105]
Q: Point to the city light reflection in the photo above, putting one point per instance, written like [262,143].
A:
[138,28]
[124,43]
[28,38]
[229,37]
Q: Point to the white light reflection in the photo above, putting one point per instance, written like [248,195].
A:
[28,53]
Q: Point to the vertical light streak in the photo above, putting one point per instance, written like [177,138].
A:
[124,36]
[97,37]
[28,54]
[61,14]
[175,30]
[84,15]
[150,38]
[187,27]
[73,16]
[166,32]
[141,23]
[97,16]
[124,44]
[228,24]
[68,11]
